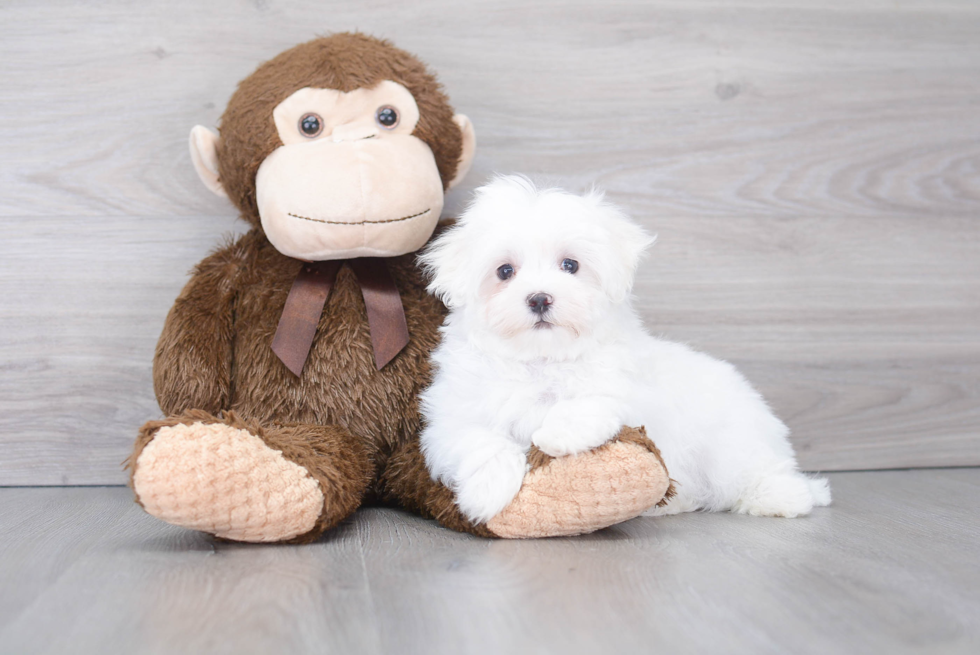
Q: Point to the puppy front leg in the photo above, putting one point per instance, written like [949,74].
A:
[489,476]
[575,426]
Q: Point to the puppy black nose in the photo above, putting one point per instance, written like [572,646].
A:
[539,302]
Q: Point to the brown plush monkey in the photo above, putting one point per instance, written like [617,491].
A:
[290,364]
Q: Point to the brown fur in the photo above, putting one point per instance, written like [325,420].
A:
[344,62]
[214,353]
[406,483]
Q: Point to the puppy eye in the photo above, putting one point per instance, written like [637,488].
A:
[505,272]
[569,266]
[387,117]
[310,125]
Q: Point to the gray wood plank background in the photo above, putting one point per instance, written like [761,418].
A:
[812,170]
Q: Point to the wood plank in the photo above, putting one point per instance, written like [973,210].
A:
[147,587]
[889,567]
[54,527]
[702,582]
[755,107]
[813,171]
[79,331]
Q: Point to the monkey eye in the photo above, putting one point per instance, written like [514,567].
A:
[569,266]
[505,272]
[310,125]
[387,117]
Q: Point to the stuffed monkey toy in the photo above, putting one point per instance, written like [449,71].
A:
[290,365]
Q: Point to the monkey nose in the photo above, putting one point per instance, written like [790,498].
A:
[353,132]
[539,302]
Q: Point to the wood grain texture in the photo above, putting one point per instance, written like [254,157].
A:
[812,170]
[890,567]
[116,558]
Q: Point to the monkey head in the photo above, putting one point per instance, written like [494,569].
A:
[340,147]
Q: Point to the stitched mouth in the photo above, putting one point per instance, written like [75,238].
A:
[390,220]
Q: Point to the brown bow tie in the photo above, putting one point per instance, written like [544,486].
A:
[308,295]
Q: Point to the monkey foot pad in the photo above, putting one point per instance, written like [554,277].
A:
[226,481]
[580,494]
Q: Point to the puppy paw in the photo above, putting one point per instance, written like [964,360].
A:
[787,494]
[486,490]
[552,441]
[569,434]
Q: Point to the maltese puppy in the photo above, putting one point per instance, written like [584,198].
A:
[543,347]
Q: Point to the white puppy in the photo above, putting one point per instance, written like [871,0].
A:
[543,347]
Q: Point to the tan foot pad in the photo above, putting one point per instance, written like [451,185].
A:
[584,493]
[225,481]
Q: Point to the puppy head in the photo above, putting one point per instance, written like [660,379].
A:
[538,267]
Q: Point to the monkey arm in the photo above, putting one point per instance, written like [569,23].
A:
[192,364]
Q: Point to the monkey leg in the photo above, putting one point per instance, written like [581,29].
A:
[406,482]
[244,482]
[583,493]
[559,497]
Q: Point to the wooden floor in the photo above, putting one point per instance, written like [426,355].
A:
[891,567]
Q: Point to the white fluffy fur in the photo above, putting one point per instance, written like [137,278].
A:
[502,383]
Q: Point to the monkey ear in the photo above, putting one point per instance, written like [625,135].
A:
[204,155]
[468,150]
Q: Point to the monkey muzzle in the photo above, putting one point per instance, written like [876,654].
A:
[371,196]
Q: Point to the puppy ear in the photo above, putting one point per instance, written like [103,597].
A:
[627,244]
[444,262]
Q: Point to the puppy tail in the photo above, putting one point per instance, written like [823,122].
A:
[820,488]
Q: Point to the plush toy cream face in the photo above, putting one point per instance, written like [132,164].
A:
[350,179]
